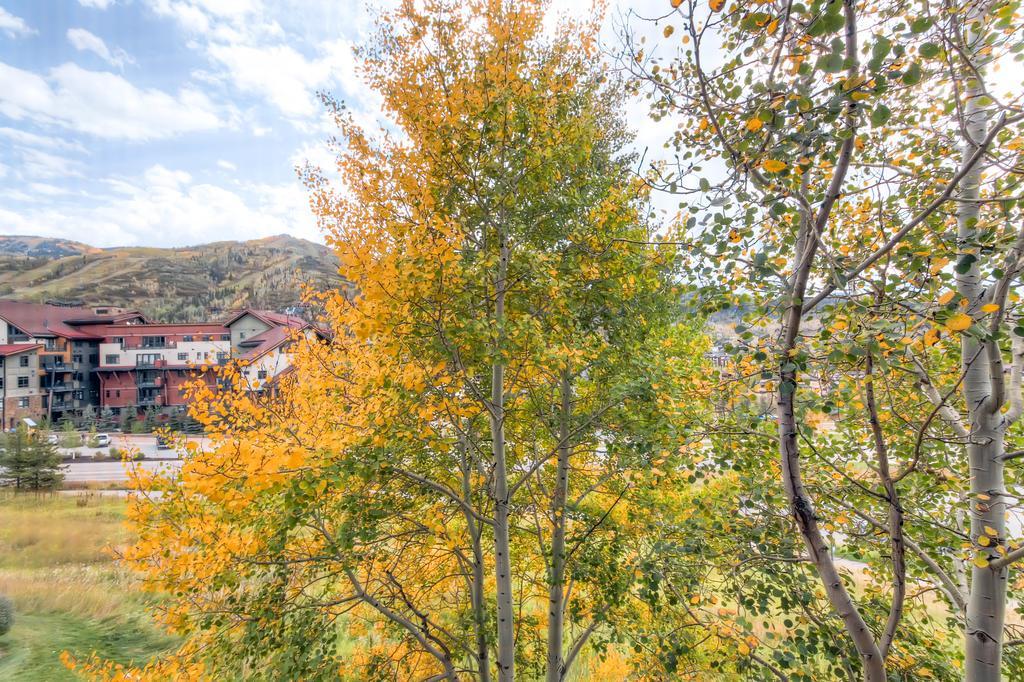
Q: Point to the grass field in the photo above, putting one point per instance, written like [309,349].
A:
[56,564]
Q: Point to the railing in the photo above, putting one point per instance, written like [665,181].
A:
[145,346]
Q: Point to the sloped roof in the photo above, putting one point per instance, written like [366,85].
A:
[264,343]
[39,319]
[15,348]
[269,317]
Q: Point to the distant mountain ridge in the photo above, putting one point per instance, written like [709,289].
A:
[175,285]
[42,247]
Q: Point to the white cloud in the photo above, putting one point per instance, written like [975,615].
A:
[25,138]
[103,104]
[12,26]
[89,42]
[255,54]
[165,207]
[227,165]
[96,4]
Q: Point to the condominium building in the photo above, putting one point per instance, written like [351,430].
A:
[118,360]
[20,395]
[147,366]
[69,349]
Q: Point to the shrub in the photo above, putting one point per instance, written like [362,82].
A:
[115,452]
[138,456]
[6,615]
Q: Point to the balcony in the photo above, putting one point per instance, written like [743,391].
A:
[149,382]
[127,345]
[61,386]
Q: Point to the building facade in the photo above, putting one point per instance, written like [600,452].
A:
[114,359]
[20,395]
[147,366]
[69,349]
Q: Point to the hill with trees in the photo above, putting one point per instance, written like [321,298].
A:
[176,285]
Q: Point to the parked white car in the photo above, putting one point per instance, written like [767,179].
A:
[102,440]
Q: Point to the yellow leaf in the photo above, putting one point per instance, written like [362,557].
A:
[734,236]
[676,3]
[990,307]
[743,649]
[991,531]
[984,540]
[695,599]
[959,322]
[946,297]
[854,82]
[981,561]
[717,5]
[773,165]
[931,337]
[669,30]
[754,124]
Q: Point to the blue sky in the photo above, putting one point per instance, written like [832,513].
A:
[173,122]
[168,122]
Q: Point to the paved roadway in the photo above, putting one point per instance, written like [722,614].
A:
[84,469]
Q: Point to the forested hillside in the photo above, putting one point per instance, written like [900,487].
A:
[176,285]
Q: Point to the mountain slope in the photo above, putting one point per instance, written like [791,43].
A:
[186,284]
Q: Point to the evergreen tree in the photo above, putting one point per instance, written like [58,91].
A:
[29,462]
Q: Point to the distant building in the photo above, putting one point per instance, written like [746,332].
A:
[20,395]
[260,341]
[117,359]
[146,366]
[69,352]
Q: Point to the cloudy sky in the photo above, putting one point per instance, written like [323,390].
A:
[169,122]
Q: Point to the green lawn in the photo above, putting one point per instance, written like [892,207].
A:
[57,566]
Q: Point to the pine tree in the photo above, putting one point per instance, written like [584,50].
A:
[29,463]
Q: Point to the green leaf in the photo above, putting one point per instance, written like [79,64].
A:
[920,25]
[880,115]
[928,50]
[830,63]
[912,76]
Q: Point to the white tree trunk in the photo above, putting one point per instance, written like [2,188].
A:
[502,560]
[556,586]
[986,604]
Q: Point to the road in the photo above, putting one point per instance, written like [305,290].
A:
[85,469]
[108,472]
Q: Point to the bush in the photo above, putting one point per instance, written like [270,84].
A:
[6,615]
[139,456]
[115,453]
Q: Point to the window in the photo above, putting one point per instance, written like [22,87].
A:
[77,357]
[118,339]
[23,361]
[225,337]
[22,382]
[152,342]
[183,356]
[22,402]
[187,337]
[112,359]
[241,336]
[117,394]
[1,382]
[50,344]
[94,358]
[199,355]
[261,375]
[108,393]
